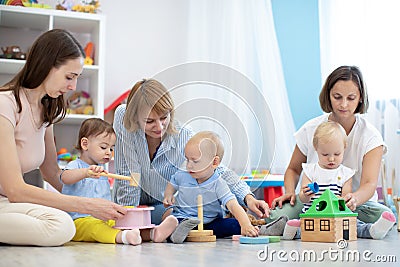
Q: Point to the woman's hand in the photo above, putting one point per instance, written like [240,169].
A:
[351,201]
[105,210]
[291,197]
[259,207]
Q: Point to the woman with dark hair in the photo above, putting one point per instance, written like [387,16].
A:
[29,106]
[343,98]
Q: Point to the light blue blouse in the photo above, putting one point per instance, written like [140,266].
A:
[132,156]
[215,194]
[88,187]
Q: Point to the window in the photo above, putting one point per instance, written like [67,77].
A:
[346,224]
[309,225]
[324,225]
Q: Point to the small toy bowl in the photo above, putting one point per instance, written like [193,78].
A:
[136,218]
[314,187]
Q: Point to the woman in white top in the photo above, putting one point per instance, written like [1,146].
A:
[29,106]
[343,98]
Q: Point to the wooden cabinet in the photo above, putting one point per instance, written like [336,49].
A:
[20,26]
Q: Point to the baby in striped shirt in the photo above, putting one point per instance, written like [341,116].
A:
[330,141]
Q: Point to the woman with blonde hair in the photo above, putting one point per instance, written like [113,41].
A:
[150,142]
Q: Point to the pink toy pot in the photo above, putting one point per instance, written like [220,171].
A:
[136,218]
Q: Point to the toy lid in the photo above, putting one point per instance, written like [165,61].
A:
[139,208]
[328,206]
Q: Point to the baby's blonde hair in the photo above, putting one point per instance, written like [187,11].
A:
[213,138]
[328,131]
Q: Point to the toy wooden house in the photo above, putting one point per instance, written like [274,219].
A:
[328,220]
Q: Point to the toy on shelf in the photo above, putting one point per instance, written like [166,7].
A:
[136,218]
[34,3]
[11,2]
[201,235]
[89,7]
[328,220]
[64,155]
[65,5]
[89,54]
[79,102]
[133,179]
[13,52]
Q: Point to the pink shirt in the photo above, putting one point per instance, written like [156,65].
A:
[28,139]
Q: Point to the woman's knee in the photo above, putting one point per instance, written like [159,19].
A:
[292,212]
[370,211]
[60,229]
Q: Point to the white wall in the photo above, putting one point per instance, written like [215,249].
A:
[142,39]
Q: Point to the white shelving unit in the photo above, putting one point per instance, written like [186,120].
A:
[22,25]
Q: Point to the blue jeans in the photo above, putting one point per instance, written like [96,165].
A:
[363,229]
[157,213]
[221,227]
[224,227]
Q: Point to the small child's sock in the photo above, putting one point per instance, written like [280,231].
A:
[291,228]
[131,237]
[274,228]
[160,233]
[183,229]
[381,227]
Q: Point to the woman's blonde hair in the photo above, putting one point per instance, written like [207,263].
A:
[328,131]
[151,94]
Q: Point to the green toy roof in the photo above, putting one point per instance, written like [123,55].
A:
[328,206]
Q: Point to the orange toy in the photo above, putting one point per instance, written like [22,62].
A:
[89,54]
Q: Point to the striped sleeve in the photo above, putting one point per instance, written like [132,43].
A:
[124,194]
[238,187]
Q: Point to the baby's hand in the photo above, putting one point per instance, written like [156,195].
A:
[95,170]
[307,191]
[168,201]
[250,230]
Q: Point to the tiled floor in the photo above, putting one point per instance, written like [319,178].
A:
[222,253]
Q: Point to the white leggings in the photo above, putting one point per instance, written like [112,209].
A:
[32,224]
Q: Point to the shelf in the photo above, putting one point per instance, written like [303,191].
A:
[76,118]
[12,66]
[19,17]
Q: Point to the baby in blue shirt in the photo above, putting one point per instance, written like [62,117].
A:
[96,142]
[204,152]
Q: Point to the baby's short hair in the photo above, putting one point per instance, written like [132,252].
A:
[210,136]
[93,127]
[328,131]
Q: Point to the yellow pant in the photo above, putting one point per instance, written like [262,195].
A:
[90,229]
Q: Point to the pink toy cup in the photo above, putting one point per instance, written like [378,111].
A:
[136,218]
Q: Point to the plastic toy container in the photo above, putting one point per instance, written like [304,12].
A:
[136,218]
